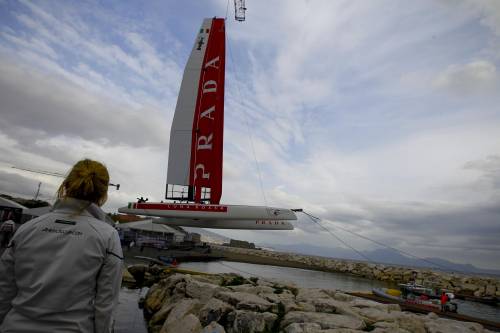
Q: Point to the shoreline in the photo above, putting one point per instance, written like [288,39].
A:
[467,285]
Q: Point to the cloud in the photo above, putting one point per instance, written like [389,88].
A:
[475,77]
[55,107]
[382,126]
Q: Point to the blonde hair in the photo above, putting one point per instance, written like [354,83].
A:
[88,180]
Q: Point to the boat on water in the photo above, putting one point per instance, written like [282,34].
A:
[435,293]
[194,174]
[420,290]
[422,301]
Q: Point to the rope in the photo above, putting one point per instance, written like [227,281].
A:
[317,219]
[239,270]
[247,123]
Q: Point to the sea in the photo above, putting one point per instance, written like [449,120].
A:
[130,319]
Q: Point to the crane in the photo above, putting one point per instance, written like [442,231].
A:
[239,10]
[54,174]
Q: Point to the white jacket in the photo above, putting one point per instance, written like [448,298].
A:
[61,272]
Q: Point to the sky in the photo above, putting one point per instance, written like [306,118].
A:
[380,118]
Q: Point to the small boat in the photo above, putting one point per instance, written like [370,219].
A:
[421,301]
[419,290]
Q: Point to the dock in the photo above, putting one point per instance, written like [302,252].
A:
[491,325]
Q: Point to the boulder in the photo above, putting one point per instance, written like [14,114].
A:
[442,325]
[186,324]
[180,310]
[307,294]
[250,322]
[200,290]
[244,301]
[155,297]
[251,289]
[490,290]
[339,296]
[302,328]
[386,327]
[213,327]
[214,310]
[325,320]
[160,316]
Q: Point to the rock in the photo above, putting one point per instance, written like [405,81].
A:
[208,278]
[302,328]
[244,301]
[469,287]
[180,310]
[343,297]
[490,290]
[325,320]
[409,322]
[186,324]
[307,307]
[250,322]
[138,271]
[127,277]
[251,289]
[213,327]
[442,325]
[160,316]
[372,316]
[306,294]
[214,310]
[201,290]
[155,297]
[384,327]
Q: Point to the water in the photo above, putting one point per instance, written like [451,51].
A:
[301,277]
[130,318]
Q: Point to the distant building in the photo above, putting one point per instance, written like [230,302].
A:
[193,237]
[150,234]
[240,244]
[11,210]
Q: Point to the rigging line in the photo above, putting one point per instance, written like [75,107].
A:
[247,123]
[239,270]
[227,10]
[390,247]
[339,239]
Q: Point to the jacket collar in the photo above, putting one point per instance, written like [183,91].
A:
[79,207]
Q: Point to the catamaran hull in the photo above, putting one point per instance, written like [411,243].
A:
[208,212]
[215,216]
[228,224]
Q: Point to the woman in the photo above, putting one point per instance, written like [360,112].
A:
[62,271]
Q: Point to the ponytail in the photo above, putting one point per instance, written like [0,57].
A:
[88,180]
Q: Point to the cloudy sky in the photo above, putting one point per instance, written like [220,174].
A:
[379,117]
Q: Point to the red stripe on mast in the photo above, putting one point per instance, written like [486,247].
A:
[208,122]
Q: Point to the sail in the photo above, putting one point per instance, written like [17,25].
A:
[196,136]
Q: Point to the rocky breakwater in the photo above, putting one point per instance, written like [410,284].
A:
[220,303]
[478,286]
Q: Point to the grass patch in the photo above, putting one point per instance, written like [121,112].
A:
[369,328]
[276,325]
[235,281]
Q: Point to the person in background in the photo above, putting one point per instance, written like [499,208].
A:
[444,300]
[7,229]
[62,271]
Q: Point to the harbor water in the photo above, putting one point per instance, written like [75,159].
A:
[130,318]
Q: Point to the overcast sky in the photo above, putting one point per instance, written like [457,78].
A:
[379,117]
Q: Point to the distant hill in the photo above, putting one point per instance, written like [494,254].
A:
[208,236]
[385,256]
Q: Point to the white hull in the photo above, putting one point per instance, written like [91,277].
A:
[228,224]
[209,212]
